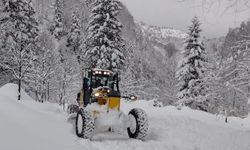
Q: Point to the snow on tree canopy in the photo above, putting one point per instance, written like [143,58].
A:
[104,45]
[58,28]
[191,70]
[74,40]
[19,32]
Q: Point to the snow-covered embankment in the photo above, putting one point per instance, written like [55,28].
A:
[27,125]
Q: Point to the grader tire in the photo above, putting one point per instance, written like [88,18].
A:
[84,125]
[141,130]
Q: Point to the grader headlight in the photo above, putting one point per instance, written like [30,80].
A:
[133,98]
[97,94]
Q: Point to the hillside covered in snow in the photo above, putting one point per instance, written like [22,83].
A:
[161,32]
[148,48]
[28,125]
[57,53]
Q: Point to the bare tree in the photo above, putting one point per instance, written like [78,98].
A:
[222,6]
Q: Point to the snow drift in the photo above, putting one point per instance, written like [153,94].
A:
[10,91]
[27,125]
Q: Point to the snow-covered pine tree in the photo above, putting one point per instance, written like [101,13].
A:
[228,75]
[63,67]
[74,36]
[88,3]
[235,71]
[192,90]
[43,64]
[58,25]
[104,44]
[20,30]
[66,79]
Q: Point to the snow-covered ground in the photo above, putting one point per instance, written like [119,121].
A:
[27,125]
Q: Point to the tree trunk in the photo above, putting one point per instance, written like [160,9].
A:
[48,96]
[226,120]
[19,89]
[36,89]
[37,95]
[20,74]
[19,82]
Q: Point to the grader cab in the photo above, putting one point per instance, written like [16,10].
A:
[101,86]
[99,107]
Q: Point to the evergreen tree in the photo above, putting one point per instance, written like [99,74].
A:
[235,68]
[192,89]
[74,36]
[43,62]
[58,26]
[20,30]
[104,45]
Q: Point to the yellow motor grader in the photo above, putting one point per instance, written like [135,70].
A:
[99,107]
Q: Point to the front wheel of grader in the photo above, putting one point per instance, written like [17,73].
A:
[84,125]
[139,124]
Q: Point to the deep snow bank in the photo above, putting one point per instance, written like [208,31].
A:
[27,125]
[164,112]
[10,91]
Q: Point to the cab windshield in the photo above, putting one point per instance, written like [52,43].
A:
[101,81]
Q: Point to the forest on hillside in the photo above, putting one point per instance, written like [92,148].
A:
[45,44]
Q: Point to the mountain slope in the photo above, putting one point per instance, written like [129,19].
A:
[162,32]
[162,38]
[146,50]
[27,125]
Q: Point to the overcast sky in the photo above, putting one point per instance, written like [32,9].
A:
[178,14]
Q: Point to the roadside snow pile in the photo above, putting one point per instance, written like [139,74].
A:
[27,125]
[196,115]
[106,119]
[10,91]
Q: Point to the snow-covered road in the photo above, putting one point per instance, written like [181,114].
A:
[27,125]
